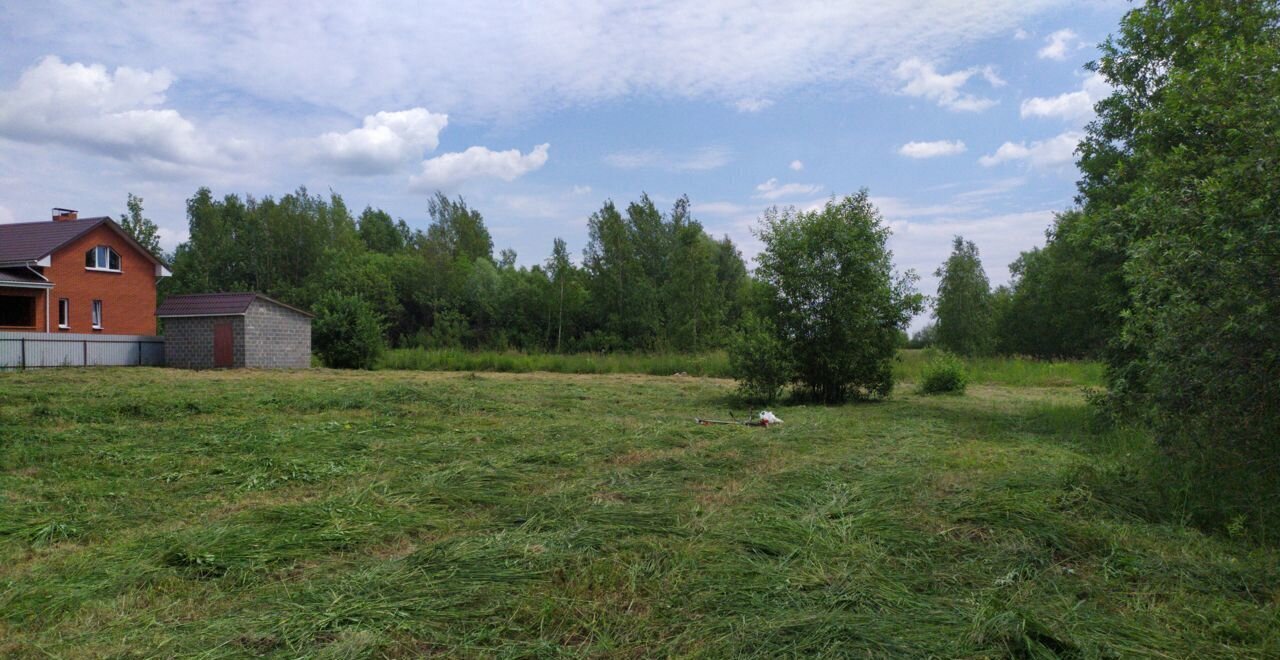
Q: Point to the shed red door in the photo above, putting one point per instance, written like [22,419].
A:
[222,354]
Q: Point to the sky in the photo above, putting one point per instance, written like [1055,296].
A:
[959,117]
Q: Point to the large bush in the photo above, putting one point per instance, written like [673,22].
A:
[346,332]
[1180,177]
[833,303]
[759,360]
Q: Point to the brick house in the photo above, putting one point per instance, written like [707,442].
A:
[232,330]
[76,275]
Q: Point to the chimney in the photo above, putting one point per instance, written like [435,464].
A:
[64,215]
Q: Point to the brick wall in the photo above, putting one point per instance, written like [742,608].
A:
[276,337]
[188,343]
[128,297]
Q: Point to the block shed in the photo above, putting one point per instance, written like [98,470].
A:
[230,330]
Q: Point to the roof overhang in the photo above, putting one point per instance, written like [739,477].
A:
[4,284]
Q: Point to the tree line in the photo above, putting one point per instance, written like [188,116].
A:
[647,279]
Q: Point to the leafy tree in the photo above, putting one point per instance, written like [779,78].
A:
[1056,305]
[139,227]
[347,331]
[1179,179]
[457,229]
[614,275]
[834,300]
[924,337]
[569,294]
[694,306]
[380,233]
[963,309]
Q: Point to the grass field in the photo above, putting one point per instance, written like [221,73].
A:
[992,370]
[157,513]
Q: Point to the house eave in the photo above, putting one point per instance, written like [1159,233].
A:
[198,316]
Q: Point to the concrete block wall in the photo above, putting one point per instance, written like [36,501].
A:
[188,342]
[276,337]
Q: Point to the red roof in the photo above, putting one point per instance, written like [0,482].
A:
[214,304]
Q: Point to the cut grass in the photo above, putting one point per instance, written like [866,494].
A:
[909,365]
[148,512]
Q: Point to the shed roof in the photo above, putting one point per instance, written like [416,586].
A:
[215,304]
[25,242]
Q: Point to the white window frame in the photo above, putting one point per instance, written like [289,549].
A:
[64,313]
[102,259]
[97,315]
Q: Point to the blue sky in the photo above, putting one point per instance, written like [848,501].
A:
[959,117]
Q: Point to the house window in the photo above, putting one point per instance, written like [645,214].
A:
[97,315]
[102,258]
[64,313]
[17,311]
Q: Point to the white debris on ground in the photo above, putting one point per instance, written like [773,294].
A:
[767,418]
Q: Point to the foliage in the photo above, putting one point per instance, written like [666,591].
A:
[833,300]
[713,364]
[963,314]
[924,337]
[347,331]
[944,374]
[140,228]
[403,514]
[1179,178]
[1056,305]
[759,361]
[380,233]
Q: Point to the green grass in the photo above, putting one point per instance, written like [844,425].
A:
[910,365]
[159,513]
[713,364]
[1012,371]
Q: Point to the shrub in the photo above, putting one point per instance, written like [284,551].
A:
[832,300]
[945,374]
[758,361]
[347,332]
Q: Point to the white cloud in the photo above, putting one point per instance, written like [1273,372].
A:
[582,190]
[451,169]
[796,166]
[932,149]
[706,158]
[6,216]
[1075,107]
[1059,44]
[115,114]
[527,56]
[751,105]
[921,79]
[1021,34]
[386,141]
[771,190]
[1057,151]
[171,238]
